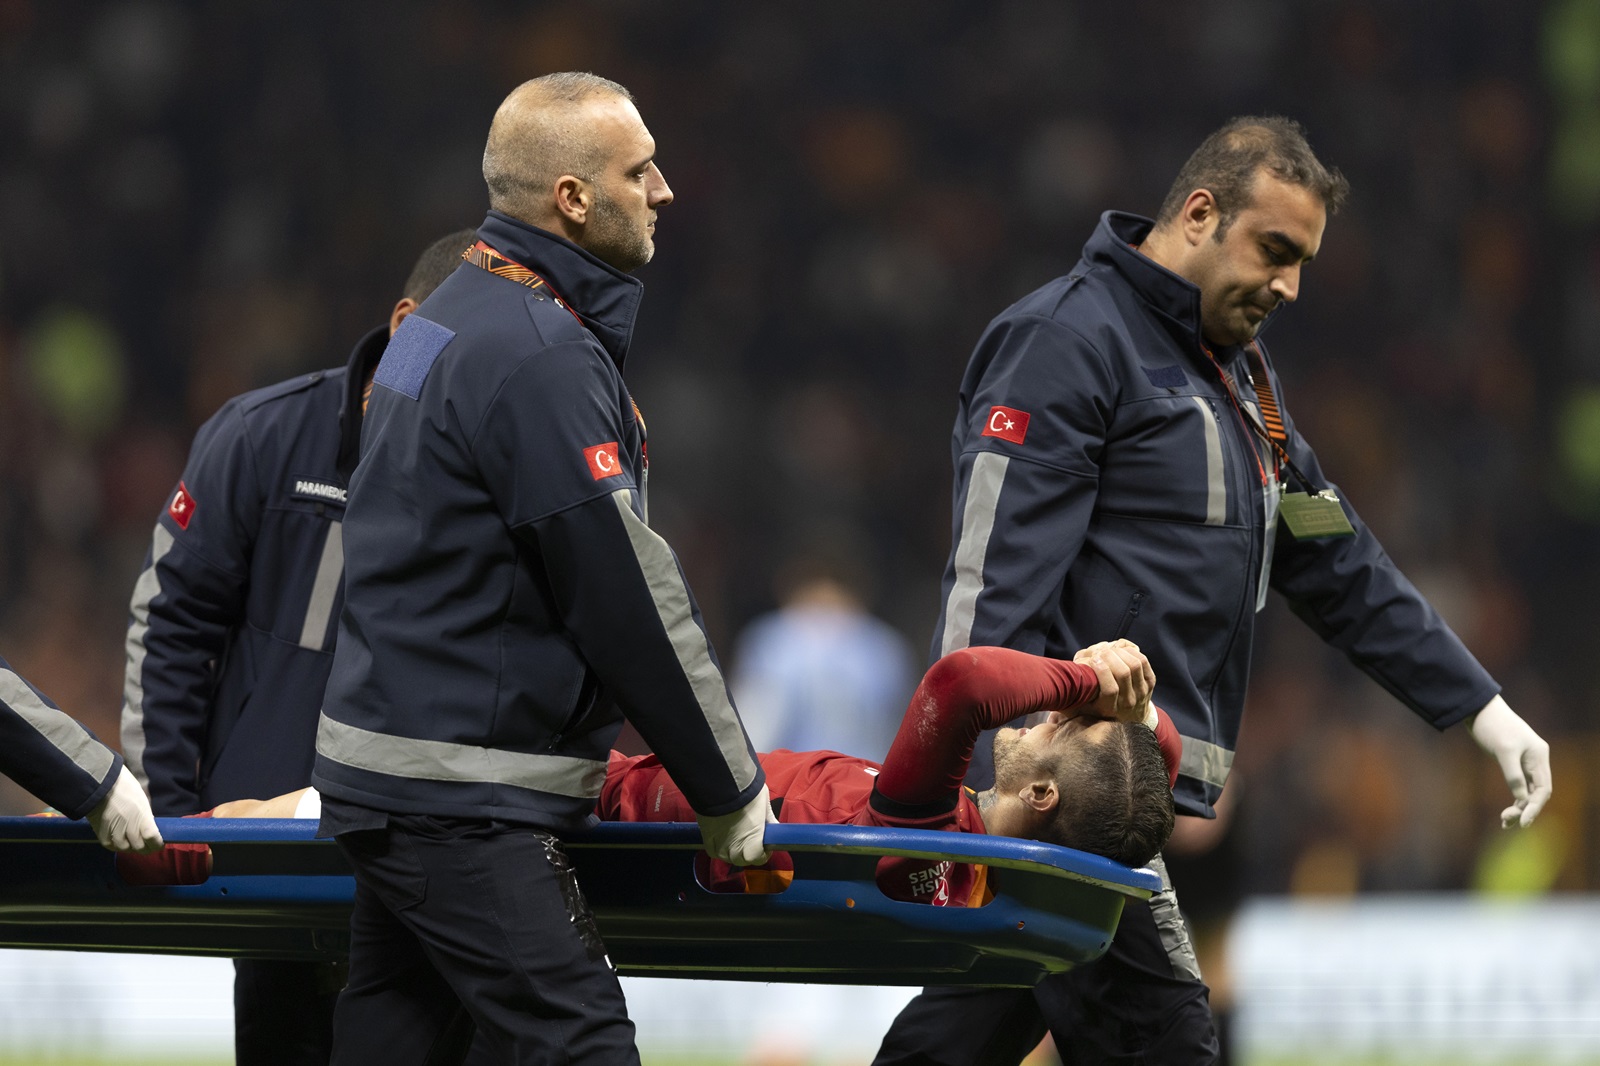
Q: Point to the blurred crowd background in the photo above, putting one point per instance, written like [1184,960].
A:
[199,199]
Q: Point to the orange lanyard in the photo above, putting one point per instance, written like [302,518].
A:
[481,255]
[1273,432]
[1249,428]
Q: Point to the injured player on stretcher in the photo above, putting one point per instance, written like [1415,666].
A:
[1095,774]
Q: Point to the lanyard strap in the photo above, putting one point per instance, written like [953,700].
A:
[1273,432]
[1249,425]
[482,255]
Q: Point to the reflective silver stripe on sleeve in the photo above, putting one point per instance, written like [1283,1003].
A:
[1216,487]
[436,760]
[1170,925]
[145,590]
[689,644]
[325,589]
[977,523]
[66,735]
[1205,761]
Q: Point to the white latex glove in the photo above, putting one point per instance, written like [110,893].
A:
[1523,757]
[737,838]
[123,821]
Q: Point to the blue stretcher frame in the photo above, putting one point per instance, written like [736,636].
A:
[277,892]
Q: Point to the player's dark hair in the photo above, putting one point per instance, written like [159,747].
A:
[1115,797]
[435,264]
[1226,164]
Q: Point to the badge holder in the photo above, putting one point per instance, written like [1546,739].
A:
[1314,515]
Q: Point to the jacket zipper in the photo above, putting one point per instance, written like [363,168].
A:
[1134,605]
[1252,566]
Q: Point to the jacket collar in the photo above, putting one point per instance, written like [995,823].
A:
[1169,295]
[363,361]
[604,297]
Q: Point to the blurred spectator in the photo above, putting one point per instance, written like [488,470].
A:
[820,673]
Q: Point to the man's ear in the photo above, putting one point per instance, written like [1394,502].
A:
[1040,796]
[401,310]
[1199,217]
[574,199]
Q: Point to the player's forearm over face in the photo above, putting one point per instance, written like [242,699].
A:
[963,694]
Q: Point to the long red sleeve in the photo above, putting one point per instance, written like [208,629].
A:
[1171,742]
[960,696]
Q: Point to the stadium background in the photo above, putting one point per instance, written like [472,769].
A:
[200,199]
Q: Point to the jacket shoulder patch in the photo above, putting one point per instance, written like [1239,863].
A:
[411,354]
[1166,377]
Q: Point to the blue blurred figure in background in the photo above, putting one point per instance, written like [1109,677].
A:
[821,672]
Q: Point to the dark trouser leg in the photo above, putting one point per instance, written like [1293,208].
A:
[283,1012]
[497,915]
[1142,1004]
[964,1027]
[395,1009]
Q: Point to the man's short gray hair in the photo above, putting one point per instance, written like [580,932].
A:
[538,135]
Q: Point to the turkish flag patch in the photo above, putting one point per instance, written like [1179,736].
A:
[603,460]
[1007,423]
[182,506]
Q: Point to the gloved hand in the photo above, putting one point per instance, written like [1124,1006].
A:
[123,821]
[1523,756]
[737,838]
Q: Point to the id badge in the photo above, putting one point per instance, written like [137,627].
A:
[1310,516]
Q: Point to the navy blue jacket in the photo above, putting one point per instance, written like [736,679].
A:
[236,610]
[505,595]
[49,753]
[1119,494]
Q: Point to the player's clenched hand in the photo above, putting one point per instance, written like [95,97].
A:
[1126,680]
[737,838]
[1523,756]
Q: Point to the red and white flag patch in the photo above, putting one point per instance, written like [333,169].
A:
[182,506]
[602,460]
[1007,423]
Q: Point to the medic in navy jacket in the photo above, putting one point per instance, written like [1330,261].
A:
[504,593]
[1106,488]
[235,613]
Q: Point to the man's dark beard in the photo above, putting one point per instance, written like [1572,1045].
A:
[611,236]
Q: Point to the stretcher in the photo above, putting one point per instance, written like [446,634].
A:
[277,892]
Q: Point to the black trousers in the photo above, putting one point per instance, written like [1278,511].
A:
[463,925]
[1141,1004]
[283,1011]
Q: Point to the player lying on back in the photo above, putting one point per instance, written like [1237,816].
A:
[1096,775]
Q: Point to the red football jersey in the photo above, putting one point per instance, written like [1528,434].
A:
[816,788]
[962,694]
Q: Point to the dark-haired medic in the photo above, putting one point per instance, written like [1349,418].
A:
[233,622]
[1126,466]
